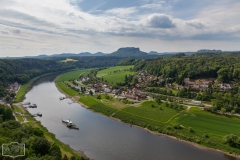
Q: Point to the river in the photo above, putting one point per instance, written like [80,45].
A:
[102,138]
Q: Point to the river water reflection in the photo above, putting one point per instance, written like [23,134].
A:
[102,138]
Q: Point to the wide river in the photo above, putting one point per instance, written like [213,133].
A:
[102,138]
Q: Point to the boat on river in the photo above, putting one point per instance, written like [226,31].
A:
[62,98]
[33,106]
[66,121]
[70,124]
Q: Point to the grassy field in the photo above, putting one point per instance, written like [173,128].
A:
[69,60]
[154,113]
[71,75]
[208,122]
[88,101]
[64,88]
[116,77]
[112,69]
[22,91]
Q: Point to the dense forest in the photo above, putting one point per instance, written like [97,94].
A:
[22,70]
[224,67]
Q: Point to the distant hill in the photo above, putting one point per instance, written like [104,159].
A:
[99,54]
[153,53]
[82,54]
[128,52]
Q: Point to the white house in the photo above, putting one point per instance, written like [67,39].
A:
[225,86]
[107,90]
[14,87]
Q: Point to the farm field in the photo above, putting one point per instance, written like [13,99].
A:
[69,60]
[112,69]
[116,77]
[151,110]
[71,75]
[208,122]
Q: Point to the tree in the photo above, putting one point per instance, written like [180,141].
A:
[232,140]
[65,157]
[8,115]
[8,99]
[90,92]
[98,96]
[158,100]
[223,110]
[12,94]
[41,146]
[55,151]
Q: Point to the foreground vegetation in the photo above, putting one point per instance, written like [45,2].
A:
[39,143]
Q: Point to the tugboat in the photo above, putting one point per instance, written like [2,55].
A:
[33,106]
[66,121]
[39,114]
[70,124]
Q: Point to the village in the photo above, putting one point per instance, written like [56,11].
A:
[84,84]
[12,90]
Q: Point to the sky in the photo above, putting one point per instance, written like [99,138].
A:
[48,27]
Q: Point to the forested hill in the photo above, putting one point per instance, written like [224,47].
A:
[22,70]
[225,67]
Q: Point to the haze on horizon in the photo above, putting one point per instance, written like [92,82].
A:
[73,26]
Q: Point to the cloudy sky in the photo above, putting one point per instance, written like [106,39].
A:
[72,26]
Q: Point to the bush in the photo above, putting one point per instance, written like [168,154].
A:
[190,130]
[177,126]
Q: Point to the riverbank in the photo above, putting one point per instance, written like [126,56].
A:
[65,148]
[26,87]
[28,120]
[157,132]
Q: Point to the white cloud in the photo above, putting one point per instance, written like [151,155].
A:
[121,12]
[153,5]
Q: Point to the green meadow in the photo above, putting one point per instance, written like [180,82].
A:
[153,111]
[64,88]
[22,91]
[112,69]
[208,122]
[71,75]
[117,77]
[116,74]
[88,100]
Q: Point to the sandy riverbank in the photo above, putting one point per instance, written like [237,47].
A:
[156,133]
